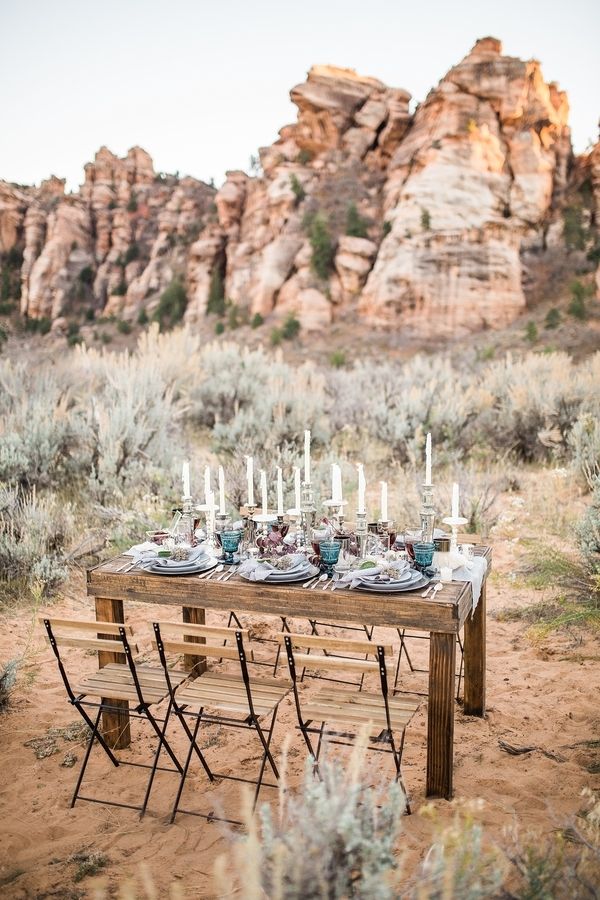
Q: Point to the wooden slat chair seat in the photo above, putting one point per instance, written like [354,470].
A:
[338,707]
[405,636]
[228,699]
[143,686]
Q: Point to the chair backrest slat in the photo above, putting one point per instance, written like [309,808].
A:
[192,630]
[79,625]
[199,649]
[342,645]
[312,661]
[104,646]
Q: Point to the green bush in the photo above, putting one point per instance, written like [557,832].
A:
[132,253]
[121,289]
[304,156]
[297,188]
[323,250]
[257,320]
[233,316]
[172,304]
[216,294]
[579,294]
[133,204]
[531,332]
[552,319]
[86,276]
[387,227]
[338,359]
[219,327]
[290,328]
[105,337]
[276,337]
[143,317]
[593,255]
[425,220]
[73,339]
[3,335]
[356,226]
[573,228]
[90,314]
[7,307]
[123,327]
[38,326]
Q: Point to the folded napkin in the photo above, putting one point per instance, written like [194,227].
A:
[260,569]
[146,548]
[148,560]
[474,571]
[383,573]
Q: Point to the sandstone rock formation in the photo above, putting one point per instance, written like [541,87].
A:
[422,222]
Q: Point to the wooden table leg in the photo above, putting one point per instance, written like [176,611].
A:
[196,616]
[475,659]
[115,724]
[440,725]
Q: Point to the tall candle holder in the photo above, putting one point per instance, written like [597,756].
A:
[211,541]
[454,522]
[294,515]
[427,514]
[335,510]
[307,519]
[385,530]
[185,523]
[221,521]
[362,533]
[249,548]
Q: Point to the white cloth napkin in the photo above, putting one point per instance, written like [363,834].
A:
[148,547]
[260,569]
[355,576]
[473,570]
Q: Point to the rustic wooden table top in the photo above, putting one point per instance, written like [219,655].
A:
[446,613]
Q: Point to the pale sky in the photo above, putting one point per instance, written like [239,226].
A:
[201,85]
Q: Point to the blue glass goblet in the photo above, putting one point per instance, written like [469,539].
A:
[424,551]
[330,553]
[230,541]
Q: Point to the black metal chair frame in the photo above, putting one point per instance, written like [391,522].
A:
[384,737]
[250,722]
[142,711]
[404,649]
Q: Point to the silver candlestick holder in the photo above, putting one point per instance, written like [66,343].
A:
[249,547]
[221,522]
[454,522]
[307,519]
[362,533]
[213,544]
[335,512]
[427,514]
[385,530]
[294,515]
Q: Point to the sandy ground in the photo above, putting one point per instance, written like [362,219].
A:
[542,694]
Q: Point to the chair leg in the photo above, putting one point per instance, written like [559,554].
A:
[155,761]
[265,756]
[162,740]
[185,771]
[86,757]
[192,740]
[312,753]
[99,737]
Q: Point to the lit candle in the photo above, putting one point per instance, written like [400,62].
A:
[185,477]
[362,486]
[297,501]
[250,480]
[263,490]
[336,483]
[221,491]
[279,491]
[307,457]
[207,487]
[455,512]
[428,459]
[384,503]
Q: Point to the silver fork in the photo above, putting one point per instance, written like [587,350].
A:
[231,573]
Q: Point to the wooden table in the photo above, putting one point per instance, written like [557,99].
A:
[443,617]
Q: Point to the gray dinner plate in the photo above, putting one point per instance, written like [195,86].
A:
[287,577]
[393,588]
[195,569]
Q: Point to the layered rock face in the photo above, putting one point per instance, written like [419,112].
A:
[419,222]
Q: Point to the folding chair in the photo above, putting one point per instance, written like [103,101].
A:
[377,710]
[420,636]
[238,701]
[143,686]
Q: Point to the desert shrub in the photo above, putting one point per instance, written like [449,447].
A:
[275,337]
[132,253]
[425,219]
[304,156]
[7,307]
[121,289]
[387,227]
[584,441]
[579,294]
[38,326]
[323,249]
[233,316]
[337,359]
[132,203]
[172,305]
[531,332]
[142,318]
[257,320]
[588,534]
[219,327]
[297,188]
[86,276]
[356,225]
[335,838]
[123,327]
[33,533]
[574,232]
[290,328]
[8,679]
[552,319]
[216,294]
